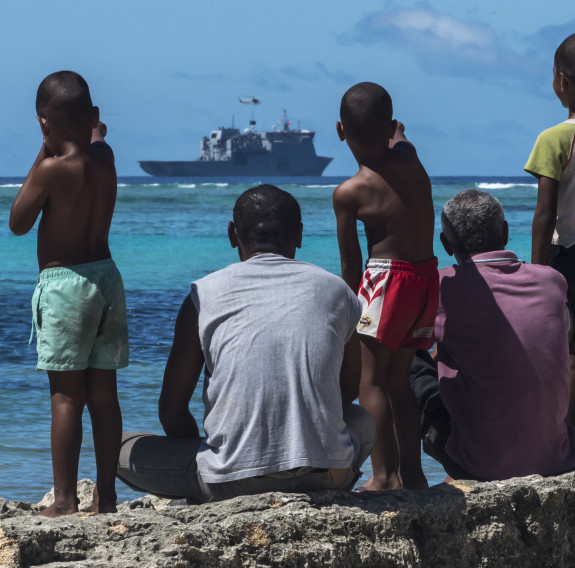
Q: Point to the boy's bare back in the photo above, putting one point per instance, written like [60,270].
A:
[393,200]
[391,195]
[78,212]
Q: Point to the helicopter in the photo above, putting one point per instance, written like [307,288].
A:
[249,100]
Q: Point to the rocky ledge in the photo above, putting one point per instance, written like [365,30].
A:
[523,522]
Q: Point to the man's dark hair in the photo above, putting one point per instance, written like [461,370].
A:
[267,219]
[66,96]
[366,112]
[565,58]
[473,222]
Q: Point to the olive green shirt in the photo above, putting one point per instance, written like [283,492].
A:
[552,157]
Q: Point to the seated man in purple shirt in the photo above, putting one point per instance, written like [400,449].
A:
[502,332]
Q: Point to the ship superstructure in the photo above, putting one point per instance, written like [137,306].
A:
[229,152]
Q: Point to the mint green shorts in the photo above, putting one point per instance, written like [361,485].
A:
[80,317]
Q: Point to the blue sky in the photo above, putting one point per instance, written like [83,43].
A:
[471,82]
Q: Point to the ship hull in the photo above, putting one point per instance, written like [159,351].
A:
[287,160]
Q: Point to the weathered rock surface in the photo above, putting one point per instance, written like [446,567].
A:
[526,522]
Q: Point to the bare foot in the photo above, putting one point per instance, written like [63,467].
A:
[57,510]
[373,484]
[103,505]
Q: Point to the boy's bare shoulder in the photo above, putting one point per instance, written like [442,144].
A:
[56,172]
[72,171]
[348,192]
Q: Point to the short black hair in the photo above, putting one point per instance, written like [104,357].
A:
[565,58]
[366,111]
[66,96]
[267,218]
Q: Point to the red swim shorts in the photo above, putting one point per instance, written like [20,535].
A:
[399,302]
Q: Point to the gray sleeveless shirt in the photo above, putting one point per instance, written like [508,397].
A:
[273,331]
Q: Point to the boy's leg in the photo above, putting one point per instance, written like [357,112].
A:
[563,260]
[104,408]
[68,396]
[373,397]
[407,418]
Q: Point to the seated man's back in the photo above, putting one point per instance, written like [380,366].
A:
[503,361]
[273,331]
[504,367]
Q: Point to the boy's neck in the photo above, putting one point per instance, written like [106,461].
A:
[68,147]
[369,156]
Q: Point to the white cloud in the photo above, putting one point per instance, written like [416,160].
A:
[442,43]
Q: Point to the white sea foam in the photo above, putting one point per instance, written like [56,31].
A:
[186,185]
[216,184]
[329,185]
[485,185]
[10,185]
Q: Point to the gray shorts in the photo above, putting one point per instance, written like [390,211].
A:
[166,466]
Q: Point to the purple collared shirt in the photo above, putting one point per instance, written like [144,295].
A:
[503,364]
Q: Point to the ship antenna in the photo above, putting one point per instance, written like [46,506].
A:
[285,120]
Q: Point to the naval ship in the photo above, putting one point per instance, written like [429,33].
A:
[231,153]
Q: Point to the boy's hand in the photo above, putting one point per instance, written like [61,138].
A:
[45,151]
[399,135]
[99,133]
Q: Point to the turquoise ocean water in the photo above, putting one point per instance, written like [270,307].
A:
[164,235]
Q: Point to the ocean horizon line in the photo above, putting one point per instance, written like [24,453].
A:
[482,182]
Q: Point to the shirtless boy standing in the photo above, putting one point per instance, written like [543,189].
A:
[79,306]
[391,195]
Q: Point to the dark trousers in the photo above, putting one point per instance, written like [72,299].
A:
[435,419]
[563,260]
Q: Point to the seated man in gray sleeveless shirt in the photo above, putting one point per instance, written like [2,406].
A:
[270,332]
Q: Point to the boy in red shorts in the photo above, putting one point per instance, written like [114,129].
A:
[391,195]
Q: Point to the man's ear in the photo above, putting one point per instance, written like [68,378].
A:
[233,235]
[340,132]
[505,233]
[299,236]
[446,245]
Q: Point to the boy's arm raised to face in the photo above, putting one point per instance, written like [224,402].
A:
[34,192]
[544,220]
[345,208]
